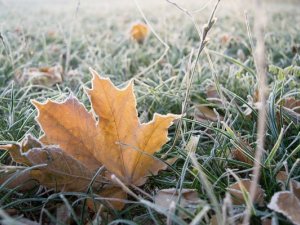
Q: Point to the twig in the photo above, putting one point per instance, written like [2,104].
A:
[115,179]
[207,187]
[69,43]
[157,36]
[260,63]
[203,42]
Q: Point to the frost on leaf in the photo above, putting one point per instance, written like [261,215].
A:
[240,191]
[116,139]
[53,167]
[288,204]
[76,143]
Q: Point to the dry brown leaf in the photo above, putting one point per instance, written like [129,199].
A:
[188,198]
[288,204]
[239,155]
[243,155]
[213,95]
[23,180]
[204,113]
[58,170]
[295,185]
[123,145]
[46,76]
[73,74]
[139,32]
[236,191]
[62,172]
[282,176]
[114,197]
[291,106]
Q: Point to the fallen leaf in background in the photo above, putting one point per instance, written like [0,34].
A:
[225,39]
[46,76]
[236,191]
[213,96]
[288,204]
[294,185]
[243,155]
[291,106]
[139,32]
[188,198]
[114,198]
[74,74]
[204,114]
[51,34]
[252,103]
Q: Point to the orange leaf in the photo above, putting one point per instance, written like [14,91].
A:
[129,145]
[70,126]
[118,140]
[139,32]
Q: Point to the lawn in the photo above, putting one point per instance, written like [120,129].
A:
[211,147]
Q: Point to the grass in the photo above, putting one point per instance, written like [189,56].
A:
[82,38]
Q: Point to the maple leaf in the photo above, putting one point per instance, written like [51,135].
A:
[116,140]
[69,125]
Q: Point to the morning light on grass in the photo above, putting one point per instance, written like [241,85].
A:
[176,112]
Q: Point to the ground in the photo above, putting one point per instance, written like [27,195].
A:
[81,34]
